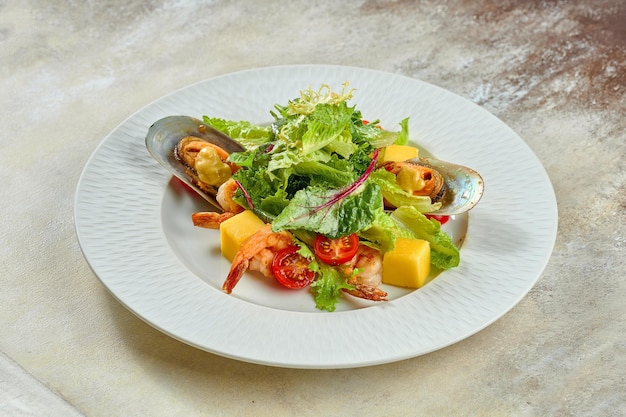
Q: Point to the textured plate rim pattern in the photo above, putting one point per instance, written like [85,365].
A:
[121,234]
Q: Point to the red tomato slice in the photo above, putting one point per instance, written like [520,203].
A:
[440,218]
[336,251]
[292,269]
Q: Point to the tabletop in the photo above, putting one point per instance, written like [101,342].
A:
[555,72]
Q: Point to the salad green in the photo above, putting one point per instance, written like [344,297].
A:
[314,171]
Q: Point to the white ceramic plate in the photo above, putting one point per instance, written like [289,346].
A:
[133,225]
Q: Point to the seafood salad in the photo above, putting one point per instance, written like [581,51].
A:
[322,200]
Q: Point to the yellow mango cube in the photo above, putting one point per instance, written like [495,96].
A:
[408,264]
[234,231]
[399,153]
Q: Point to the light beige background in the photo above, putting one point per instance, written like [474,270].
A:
[70,71]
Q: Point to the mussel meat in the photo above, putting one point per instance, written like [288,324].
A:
[462,187]
[455,188]
[193,152]
[418,179]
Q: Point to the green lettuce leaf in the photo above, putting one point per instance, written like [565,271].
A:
[257,184]
[377,138]
[383,232]
[274,204]
[283,157]
[326,289]
[314,209]
[403,135]
[334,173]
[443,252]
[371,135]
[342,145]
[326,125]
[247,134]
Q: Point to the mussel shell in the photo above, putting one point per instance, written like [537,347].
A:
[464,187]
[163,137]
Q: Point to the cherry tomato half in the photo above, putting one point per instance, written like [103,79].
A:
[292,269]
[440,218]
[336,251]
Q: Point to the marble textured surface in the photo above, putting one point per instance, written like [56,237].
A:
[555,71]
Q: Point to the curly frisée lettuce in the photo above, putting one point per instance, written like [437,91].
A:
[314,171]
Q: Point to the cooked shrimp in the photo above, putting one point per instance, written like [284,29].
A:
[257,254]
[369,263]
[212,219]
[225,195]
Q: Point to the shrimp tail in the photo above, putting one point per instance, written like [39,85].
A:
[210,219]
[367,292]
[237,270]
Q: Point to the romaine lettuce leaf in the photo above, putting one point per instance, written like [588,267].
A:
[325,125]
[247,134]
[443,252]
[342,145]
[334,174]
[283,157]
[403,135]
[274,204]
[383,232]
